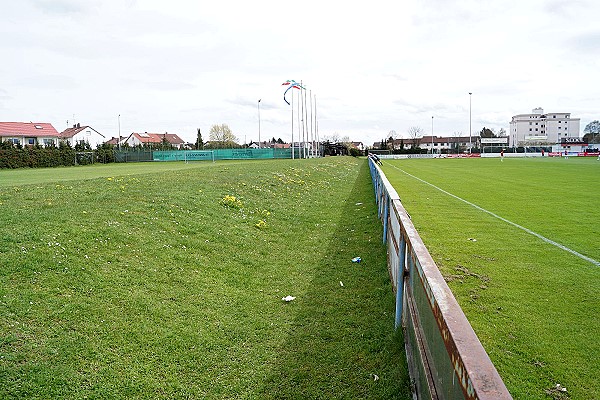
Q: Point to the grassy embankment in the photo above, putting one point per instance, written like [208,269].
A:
[153,281]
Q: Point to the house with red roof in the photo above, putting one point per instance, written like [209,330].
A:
[29,133]
[82,134]
[358,145]
[154,139]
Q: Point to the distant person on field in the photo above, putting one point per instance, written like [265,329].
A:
[542,152]
[502,155]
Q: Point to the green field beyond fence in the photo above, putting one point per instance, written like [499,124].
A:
[165,281]
[518,242]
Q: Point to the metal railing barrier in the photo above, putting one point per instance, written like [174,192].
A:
[445,358]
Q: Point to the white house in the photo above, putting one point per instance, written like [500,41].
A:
[358,145]
[28,133]
[154,139]
[542,129]
[82,134]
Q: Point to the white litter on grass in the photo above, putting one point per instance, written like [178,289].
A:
[356,260]
[288,298]
[375,377]
[341,284]
[560,387]
[472,239]
[358,204]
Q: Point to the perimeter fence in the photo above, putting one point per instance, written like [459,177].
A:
[224,154]
[446,359]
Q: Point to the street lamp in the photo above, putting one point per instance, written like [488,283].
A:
[470,130]
[259,123]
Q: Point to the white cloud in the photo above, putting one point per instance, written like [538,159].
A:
[373,67]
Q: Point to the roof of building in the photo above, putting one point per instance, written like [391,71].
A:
[114,140]
[70,132]
[33,129]
[158,138]
[447,139]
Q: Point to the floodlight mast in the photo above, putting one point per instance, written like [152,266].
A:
[432,135]
[470,129]
[119,142]
[259,123]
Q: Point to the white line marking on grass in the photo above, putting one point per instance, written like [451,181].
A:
[545,239]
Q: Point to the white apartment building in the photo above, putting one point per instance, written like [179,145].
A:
[542,129]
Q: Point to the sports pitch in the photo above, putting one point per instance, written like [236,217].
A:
[518,242]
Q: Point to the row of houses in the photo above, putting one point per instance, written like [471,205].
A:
[44,134]
[557,130]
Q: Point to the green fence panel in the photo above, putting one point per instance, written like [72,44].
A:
[223,154]
[133,156]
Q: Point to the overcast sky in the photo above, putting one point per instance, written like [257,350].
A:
[373,66]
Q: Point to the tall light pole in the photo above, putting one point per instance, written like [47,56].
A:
[259,146]
[119,142]
[432,135]
[470,130]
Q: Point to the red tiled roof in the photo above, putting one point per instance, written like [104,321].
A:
[33,129]
[158,138]
[70,132]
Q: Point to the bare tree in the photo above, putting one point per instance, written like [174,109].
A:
[415,133]
[222,135]
[345,140]
[456,145]
[392,137]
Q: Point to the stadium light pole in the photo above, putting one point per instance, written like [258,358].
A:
[470,129]
[432,135]
[259,123]
[119,142]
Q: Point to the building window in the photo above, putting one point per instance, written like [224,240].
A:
[30,141]
[536,129]
[554,116]
[48,142]
[14,141]
[530,122]
[560,127]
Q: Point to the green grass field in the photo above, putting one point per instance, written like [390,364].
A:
[533,305]
[165,280]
